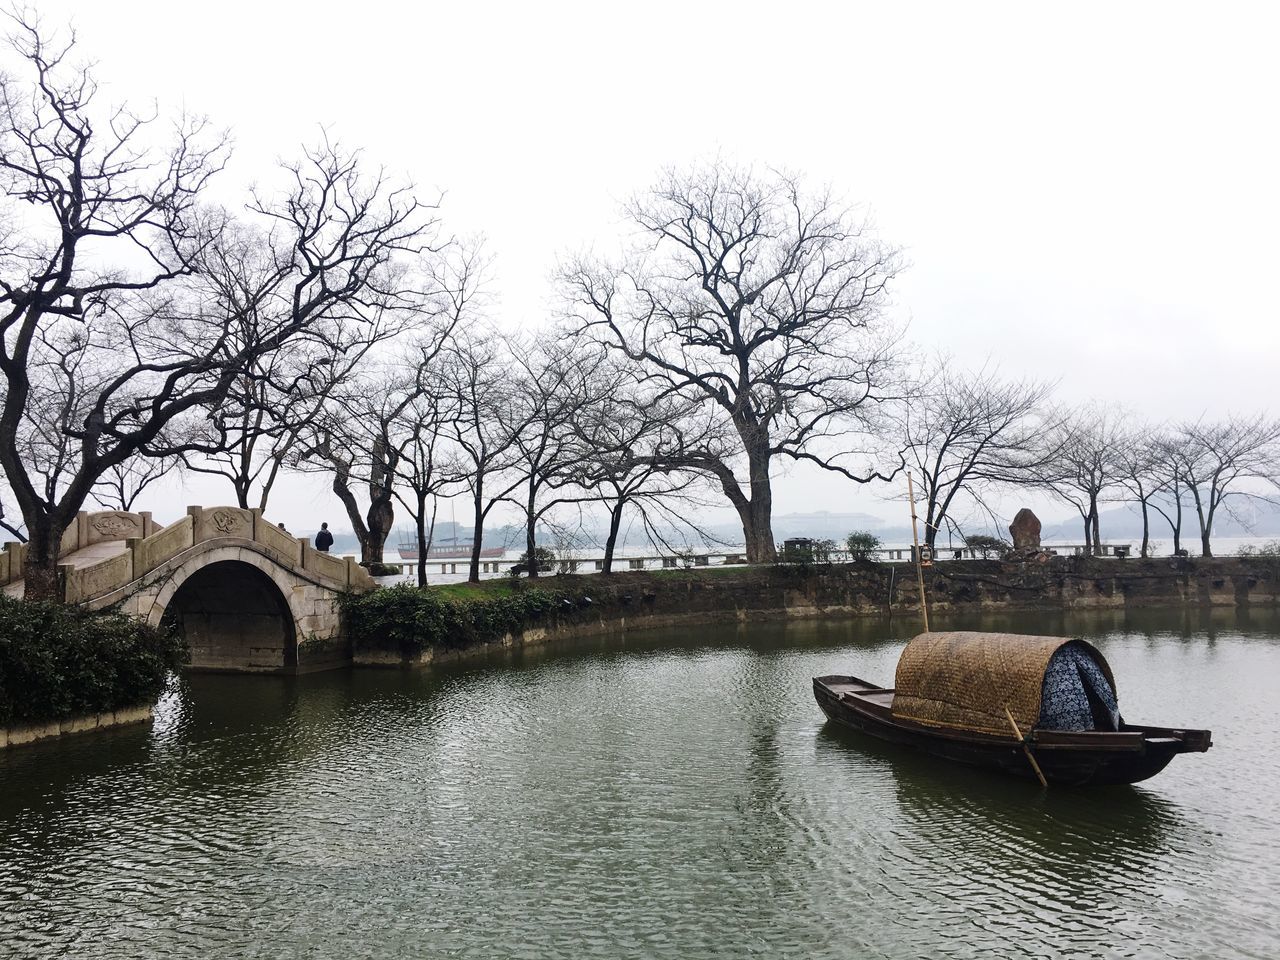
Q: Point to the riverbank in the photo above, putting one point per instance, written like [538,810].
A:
[66,670]
[519,612]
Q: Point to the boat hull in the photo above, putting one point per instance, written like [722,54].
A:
[1129,756]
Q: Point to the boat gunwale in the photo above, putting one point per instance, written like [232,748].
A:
[1132,738]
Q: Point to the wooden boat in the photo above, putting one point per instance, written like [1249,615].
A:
[951,698]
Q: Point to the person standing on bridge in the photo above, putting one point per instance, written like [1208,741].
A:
[324,539]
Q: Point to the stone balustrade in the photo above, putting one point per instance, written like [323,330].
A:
[148,546]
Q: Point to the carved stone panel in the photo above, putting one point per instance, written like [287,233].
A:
[113,525]
[218,522]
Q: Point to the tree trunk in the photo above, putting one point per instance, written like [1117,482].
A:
[1206,524]
[1206,538]
[421,523]
[1097,537]
[1177,527]
[40,575]
[757,513]
[531,535]
[1146,533]
[930,524]
[1088,535]
[615,524]
[757,532]
[381,516]
[344,494]
[473,571]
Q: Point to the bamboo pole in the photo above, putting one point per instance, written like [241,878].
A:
[1026,748]
[915,539]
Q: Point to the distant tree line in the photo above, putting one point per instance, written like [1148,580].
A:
[330,324]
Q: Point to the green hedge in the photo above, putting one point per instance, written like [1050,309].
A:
[59,661]
[409,620]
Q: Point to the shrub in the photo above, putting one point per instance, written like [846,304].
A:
[1268,553]
[802,554]
[862,546]
[545,559]
[408,619]
[987,545]
[58,661]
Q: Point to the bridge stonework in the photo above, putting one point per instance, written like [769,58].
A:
[246,595]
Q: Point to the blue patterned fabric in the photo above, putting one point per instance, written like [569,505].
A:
[1076,693]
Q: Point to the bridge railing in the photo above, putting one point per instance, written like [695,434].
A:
[88,528]
[158,544]
[11,562]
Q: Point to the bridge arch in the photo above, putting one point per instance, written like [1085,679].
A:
[233,614]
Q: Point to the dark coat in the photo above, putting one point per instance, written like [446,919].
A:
[324,540]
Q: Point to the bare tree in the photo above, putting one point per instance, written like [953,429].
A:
[475,376]
[423,467]
[90,188]
[104,312]
[764,301]
[1138,459]
[274,405]
[360,442]
[122,484]
[349,444]
[1083,465]
[633,441]
[1170,481]
[553,383]
[1216,456]
[365,432]
[967,431]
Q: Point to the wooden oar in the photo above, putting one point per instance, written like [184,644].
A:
[1026,748]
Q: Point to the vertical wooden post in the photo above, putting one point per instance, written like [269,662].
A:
[915,539]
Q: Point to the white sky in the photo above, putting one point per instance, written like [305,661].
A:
[1085,191]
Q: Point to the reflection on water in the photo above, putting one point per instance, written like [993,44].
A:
[976,855]
[669,794]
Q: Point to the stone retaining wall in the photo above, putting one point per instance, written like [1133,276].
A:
[19,736]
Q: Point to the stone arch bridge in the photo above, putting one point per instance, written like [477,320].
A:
[245,594]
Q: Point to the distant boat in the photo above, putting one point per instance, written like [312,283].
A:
[957,696]
[453,550]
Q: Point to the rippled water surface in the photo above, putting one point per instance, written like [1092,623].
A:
[673,794]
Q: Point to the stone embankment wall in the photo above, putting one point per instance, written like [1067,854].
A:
[596,605]
[21,735]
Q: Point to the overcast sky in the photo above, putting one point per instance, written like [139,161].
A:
[1088,192]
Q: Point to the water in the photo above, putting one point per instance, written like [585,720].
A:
[676,794]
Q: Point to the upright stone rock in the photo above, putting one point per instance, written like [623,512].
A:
[1025,531]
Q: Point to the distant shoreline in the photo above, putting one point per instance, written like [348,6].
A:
[596,605]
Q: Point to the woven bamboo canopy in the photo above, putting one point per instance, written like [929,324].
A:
[966,680]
